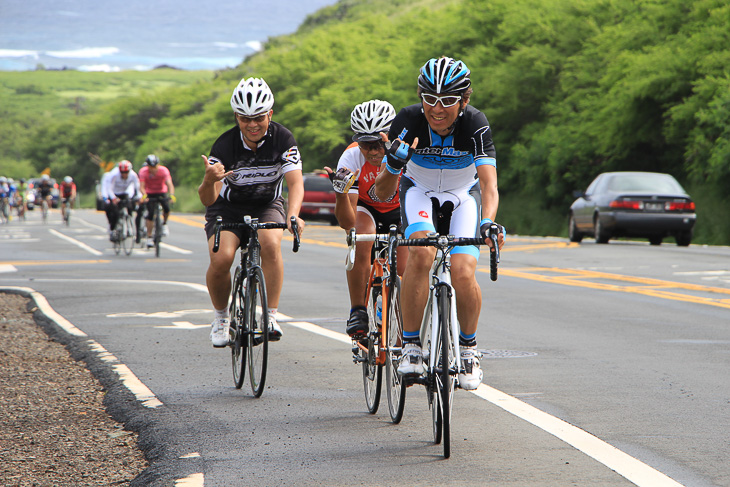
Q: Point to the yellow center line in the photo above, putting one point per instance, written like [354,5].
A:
[642,285]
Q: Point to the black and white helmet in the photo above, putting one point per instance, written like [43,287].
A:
[252,97]
[370,118]
[444,75]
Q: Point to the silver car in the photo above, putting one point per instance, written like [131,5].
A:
[633,204]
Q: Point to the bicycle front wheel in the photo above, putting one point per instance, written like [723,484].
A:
[127,234]
[236,312]
[257,330]
[372,372]
[394,331]
[444,378]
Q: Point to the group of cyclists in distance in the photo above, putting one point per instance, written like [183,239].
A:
[137,192]
[14,196]
[433,157]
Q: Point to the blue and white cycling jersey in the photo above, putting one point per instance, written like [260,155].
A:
[445,164]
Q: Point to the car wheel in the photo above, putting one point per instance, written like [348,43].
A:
[601,236]
[655,240]
[573,234]
[683,239]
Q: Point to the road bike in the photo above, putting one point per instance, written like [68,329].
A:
[66,211]
[249,311]
[440,329]
[381,347]
[44,209]
[157,221]
[124,230]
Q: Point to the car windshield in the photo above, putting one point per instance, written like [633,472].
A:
[655,183]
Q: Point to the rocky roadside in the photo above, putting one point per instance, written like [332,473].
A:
[54,427]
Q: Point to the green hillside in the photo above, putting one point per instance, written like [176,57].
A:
[572,88]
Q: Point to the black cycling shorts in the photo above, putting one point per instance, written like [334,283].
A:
[383,221]
[273,212]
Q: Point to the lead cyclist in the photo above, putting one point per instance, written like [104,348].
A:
[445,147]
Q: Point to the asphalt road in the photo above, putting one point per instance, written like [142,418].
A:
[605,365]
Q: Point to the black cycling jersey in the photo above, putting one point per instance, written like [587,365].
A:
[257,176]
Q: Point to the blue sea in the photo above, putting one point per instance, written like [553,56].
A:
[113,35]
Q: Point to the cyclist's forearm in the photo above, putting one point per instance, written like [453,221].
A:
[208,192]
[344,211]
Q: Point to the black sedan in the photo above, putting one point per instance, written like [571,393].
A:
[633,204]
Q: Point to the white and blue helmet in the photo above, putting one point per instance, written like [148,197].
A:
[444,75]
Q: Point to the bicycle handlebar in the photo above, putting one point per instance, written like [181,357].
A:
[253,223]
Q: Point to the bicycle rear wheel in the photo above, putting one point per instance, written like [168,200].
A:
[158,230]
[372,373]
[394,331]
[127,234]
[257,330]
[444,379]
[238,346]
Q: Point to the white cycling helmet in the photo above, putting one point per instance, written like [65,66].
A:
[370,118]
[68,180]
[252,97]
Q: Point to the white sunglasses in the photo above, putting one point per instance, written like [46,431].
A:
[446,100]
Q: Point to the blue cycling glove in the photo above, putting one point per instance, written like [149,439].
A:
[399,153]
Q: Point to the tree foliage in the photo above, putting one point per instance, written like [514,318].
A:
[572,88]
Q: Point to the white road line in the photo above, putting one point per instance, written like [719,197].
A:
[130,381]
[625,465]
[75,242]
[7,268]
[175,249]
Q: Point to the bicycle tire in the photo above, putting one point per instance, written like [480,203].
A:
[257,330]
[372,372]
[44,210]
[444,378]
[158,230]
[238,347]
[394,331]
[116,243]
[127,236]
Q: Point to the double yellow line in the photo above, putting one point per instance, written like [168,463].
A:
[677,291]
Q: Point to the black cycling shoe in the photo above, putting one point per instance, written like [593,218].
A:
[358,322]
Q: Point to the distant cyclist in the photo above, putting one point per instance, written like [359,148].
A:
[67,191]
[20,197]
[4,200]
[359,207]
[45,191]
[446,148]
[121,187]
[155,183]
[243,176]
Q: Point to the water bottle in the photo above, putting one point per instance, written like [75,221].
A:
[379,310]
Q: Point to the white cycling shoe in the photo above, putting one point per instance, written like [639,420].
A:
[274,329]
[411,364]
[471,373]
[219,332]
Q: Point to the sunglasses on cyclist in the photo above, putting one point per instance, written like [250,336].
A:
[256,119]
[371,146]
[446,100]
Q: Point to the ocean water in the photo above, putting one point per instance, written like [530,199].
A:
[111,35]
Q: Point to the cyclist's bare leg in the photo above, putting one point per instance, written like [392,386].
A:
[357,277]
[415,284]
[272,263]
[468,292]
[218,276]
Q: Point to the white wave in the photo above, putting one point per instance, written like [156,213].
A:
[255,45]
[18,53]
[228,45]
[85,53]
[100,67]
